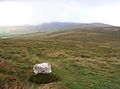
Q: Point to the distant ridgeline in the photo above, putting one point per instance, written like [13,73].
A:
[45,27]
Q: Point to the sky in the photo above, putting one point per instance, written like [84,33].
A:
[33,12]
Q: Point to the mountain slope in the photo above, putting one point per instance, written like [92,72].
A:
[93,33]
[46,27]
[55,26]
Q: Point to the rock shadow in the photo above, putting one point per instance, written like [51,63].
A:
[43,78]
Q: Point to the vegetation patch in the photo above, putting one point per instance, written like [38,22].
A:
[43,78]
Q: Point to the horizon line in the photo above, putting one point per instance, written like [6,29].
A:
[55,22]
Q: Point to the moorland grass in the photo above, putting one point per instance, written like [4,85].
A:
[89,61]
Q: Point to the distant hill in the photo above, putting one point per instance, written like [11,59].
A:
[17,30]
[104,33]
[68,25]
[46,27]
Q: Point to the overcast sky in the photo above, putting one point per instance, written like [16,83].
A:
[20,12]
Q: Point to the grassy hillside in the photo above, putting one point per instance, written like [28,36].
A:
[82,58]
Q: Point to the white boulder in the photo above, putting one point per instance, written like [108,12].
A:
[42,68]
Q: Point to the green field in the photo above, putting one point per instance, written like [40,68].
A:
[82,58]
